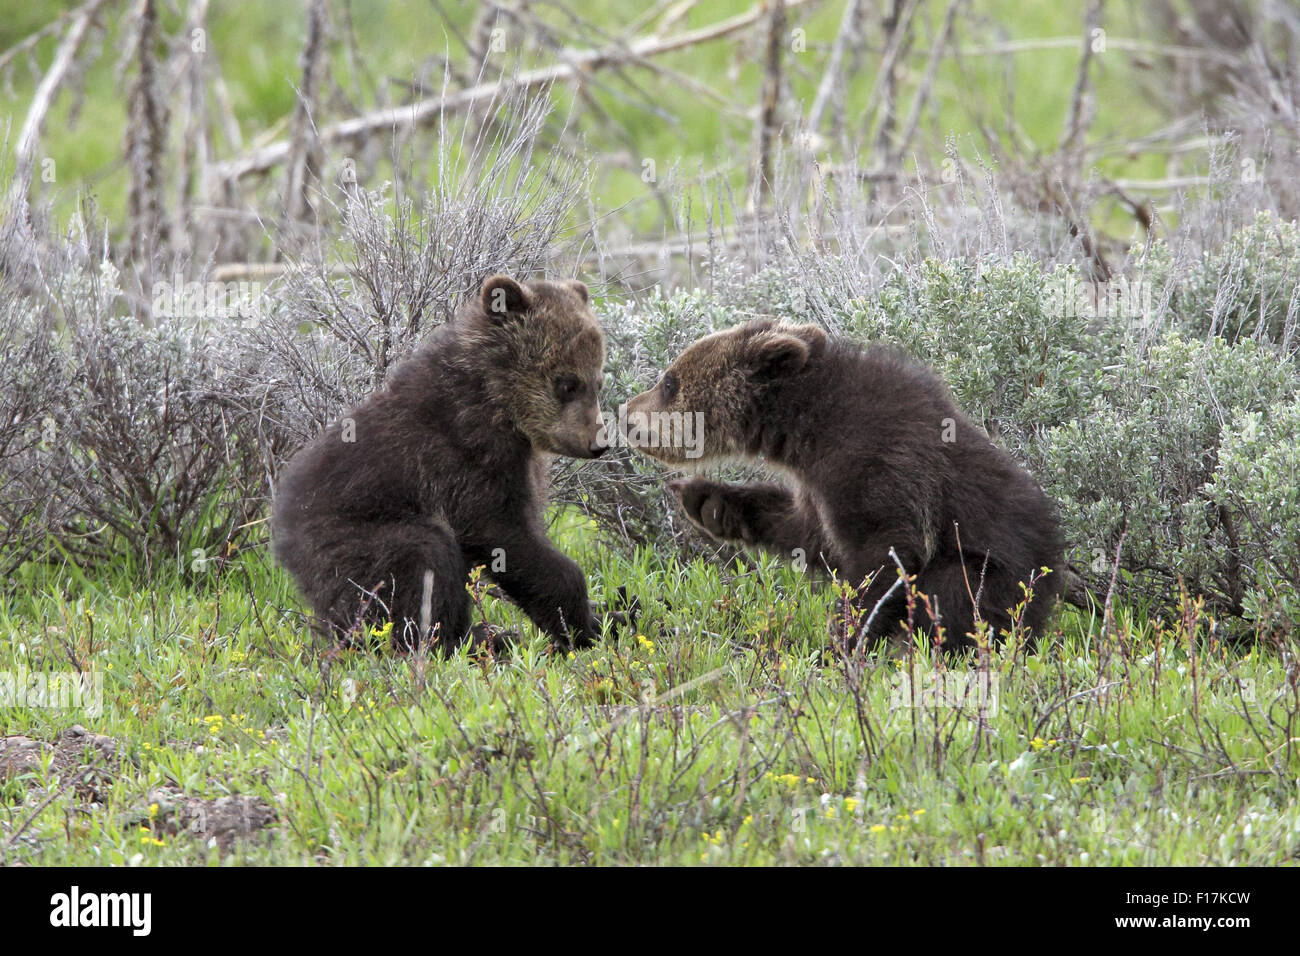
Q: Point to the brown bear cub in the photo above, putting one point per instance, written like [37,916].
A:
[878,457]
[381,517]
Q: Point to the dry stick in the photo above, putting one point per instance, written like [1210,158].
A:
[829,87]
[426,111]
[760,178]
[28,45]
[902,579]
[676,13]
[927,83]
[690,83]
[195,143]
[617,132]
[892,27]
[29,136]
[1011,47]
[146,138]
[478,47]
[1110,591]
[1172,184]
[362,76]
[305,158]
[229,121]
[1078,119]
[882,94]
[646,16]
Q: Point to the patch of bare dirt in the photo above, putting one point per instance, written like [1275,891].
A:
[218,822]
[81,759]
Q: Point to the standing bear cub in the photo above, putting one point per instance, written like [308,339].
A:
[878,457]
[382,516]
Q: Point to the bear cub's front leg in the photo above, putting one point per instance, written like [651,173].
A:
[754,514]
[713,507]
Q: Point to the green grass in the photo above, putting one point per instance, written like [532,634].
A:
[718,733]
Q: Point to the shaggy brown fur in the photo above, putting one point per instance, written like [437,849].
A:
[878,457]
[448,469]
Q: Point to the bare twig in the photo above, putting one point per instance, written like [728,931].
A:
[1081,111]
[195,143]
[305,158]
[46,91]
[146,139]
[832,82]
[769,99]
[427,111]
[898,26]
[927,83]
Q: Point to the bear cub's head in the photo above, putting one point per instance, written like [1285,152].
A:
[712,390]
[541,355]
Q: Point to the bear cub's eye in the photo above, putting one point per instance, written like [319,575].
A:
[668,387]
[567,387]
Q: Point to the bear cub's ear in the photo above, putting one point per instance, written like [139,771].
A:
[574,285]
[783,350]
[502,296]
[814,335]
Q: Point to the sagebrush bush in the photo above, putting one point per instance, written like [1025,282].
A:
[1243,287]
[1257,483]
[1139,460]
[29,397]
[148,459]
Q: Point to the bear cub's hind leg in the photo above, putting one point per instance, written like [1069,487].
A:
[425,580]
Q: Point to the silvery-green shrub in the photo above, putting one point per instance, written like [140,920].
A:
[1140,458]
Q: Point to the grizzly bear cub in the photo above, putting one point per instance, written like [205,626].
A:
[381,517]
[879,458]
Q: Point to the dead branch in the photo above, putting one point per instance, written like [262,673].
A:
[305,159]
[195,143]
[426,111]
[830,88]
[146,138]
[1145,47]
[1081,111]
[899,27]
[46,91]
[927,83]
[769,99]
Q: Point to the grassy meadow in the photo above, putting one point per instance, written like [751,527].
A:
[720,732]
